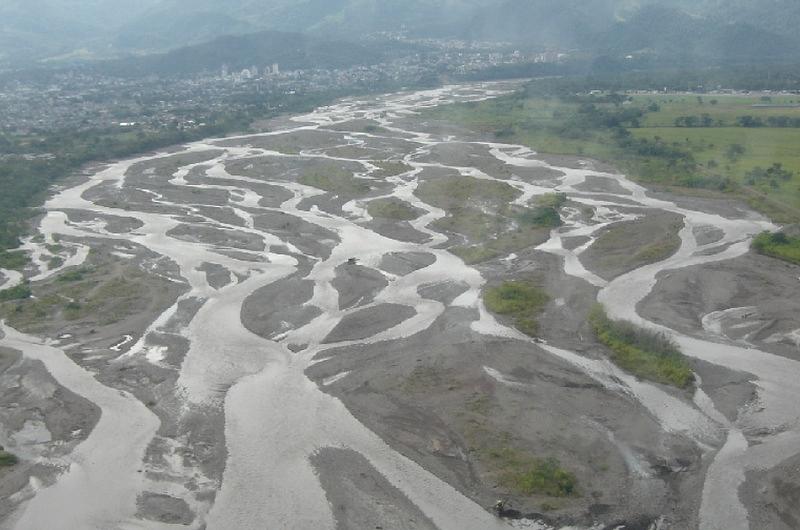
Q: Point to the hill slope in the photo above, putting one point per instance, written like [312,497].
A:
[290,50]
[706,29]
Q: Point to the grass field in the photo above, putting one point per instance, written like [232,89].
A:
[527,122]
[763,147]
[726,107]
[699,160]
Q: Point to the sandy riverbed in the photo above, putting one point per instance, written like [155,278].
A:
[275,381]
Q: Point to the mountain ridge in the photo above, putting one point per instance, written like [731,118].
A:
[60,27]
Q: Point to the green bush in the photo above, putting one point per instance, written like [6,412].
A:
[647,354]
[75,275]
[529,475]
[778,245]
[20,292]
[552,200]
[7,459]
[373,129]
[13,260]
[392,209]
[519,299]
[541,216]
[547,477]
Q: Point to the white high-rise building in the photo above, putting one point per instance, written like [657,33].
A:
[275,69]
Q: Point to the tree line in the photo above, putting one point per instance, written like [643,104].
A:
[748,121]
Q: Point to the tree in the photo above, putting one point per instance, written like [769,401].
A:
[779,238]
[749,121]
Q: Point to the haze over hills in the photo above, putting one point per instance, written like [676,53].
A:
[707,30]
[328,17]
[672,29]
[290,50]
[33,29]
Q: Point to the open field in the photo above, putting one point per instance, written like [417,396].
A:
[762,148]
[639,135]
[722,107]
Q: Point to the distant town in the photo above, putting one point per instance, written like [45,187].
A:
[82,99]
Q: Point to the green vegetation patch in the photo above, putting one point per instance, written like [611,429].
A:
[513,468]
[552,200]
[778,245]
[541,216]
[423,379]
[389,168]
[93,293]
[533,476]
[632,244]
[702,145]
[374,129]
[474,224]
[647,354]
[516,228]
[392,209]
[480,210]
[111,301]
[336,181]
[658,251]
[13,260]
[521,300]
[7,459]
[459,191]
[75,275]
[503,244]
[19,292]
[472,255]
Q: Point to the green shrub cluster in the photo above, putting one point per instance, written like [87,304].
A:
[390,168]
[647,354]
[13,260]
[518,299]
[771,176]
[7,459]
[778,245]
[392,209]
[74,275]
[541,216]
[534,476]
[552,200]
[19,292]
